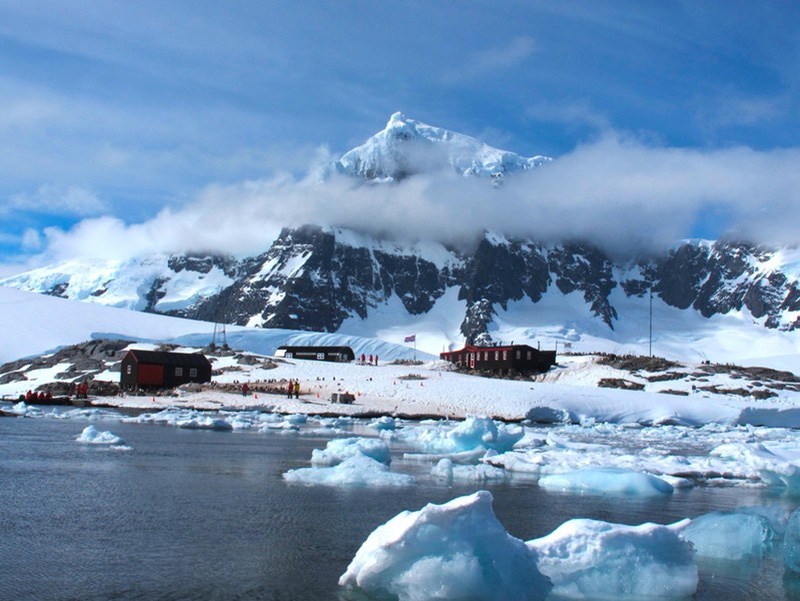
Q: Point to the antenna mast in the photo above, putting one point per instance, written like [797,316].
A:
[651,318]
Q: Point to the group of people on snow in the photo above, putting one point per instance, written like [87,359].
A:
[371,358]
[293,388]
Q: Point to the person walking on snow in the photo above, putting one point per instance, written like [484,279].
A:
[296,389]
[290,389]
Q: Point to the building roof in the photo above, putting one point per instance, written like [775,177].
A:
[168,358]
[317,349]
[509,347]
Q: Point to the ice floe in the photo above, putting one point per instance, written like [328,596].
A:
[340,449]
[608,481]
[458,550]
[590,559]
[448,471]
[470,434]
[729,535]
[92,435]
[357,471]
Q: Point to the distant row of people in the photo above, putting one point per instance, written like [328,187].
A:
[364,359]
[38,397]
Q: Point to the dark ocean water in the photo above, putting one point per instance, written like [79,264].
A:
[193,514]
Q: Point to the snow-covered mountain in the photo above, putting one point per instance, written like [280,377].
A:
[330,279]
[406,147]
[717,297]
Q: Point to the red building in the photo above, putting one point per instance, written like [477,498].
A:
[159,369]
[507,360]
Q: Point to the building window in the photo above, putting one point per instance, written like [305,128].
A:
[496,355]
[129,369]
[320,356]
[529,355]
[485,355]
[505,355]
[178,371]
[193,372]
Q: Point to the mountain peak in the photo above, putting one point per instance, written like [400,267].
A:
[406,147]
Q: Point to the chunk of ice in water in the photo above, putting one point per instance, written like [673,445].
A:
[457,550]
[356,471]
[598,560]
[92,435]
[729,535]
[339,449]
[607,481]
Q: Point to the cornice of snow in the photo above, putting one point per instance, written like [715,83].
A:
[407,147]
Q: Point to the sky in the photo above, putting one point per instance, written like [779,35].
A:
[127,127]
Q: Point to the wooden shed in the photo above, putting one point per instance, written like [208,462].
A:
[502,360]
[338,354]
[161,369]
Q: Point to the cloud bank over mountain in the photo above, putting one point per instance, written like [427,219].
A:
[618,192]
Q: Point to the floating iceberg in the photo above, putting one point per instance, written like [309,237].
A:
[778,466]
[339,449]
[182,418]
[597,560]
[445,470]
[729,535]
[473,433]
[453,551]
[22,409]
[791,544]
[92,435]
[357,471]
[384,423]
[607,482]
[204,422]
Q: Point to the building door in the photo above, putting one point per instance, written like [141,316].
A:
[150,375]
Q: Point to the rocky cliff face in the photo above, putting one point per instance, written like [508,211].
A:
[314,278]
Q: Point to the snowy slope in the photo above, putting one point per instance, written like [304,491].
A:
[34,323]
[407,147]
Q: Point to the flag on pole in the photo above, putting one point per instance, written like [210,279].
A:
[412,338]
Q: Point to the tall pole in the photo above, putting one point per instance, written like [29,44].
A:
[651,318]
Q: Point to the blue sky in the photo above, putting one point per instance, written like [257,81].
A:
[124,109]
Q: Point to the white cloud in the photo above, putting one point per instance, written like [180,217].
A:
[493,59]
[619,192]
[31,240]
[56,199]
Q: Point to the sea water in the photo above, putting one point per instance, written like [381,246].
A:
[192,514]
